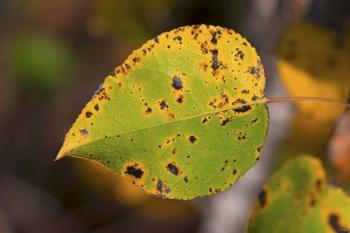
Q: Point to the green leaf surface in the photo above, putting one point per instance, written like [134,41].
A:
[182,117]
[298,199]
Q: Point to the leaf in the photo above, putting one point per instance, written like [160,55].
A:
[163,119]
[313,61]
[298,199]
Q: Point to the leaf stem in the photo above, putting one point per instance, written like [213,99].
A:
[270,100]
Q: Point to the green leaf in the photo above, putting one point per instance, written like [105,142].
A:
[298,199]
[163,118]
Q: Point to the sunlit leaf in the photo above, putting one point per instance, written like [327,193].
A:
[162,118]
[298,199]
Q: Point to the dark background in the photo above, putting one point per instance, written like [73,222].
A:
[55,53]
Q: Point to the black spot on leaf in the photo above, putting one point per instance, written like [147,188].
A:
[177,83]
[163,105]
[161,187]
[333,221]
[173,169]
[215,62]
[134,171]
[214,40]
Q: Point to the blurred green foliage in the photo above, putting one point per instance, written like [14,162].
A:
[39,62]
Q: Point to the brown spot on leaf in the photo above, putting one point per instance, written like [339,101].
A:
[88,114]
[96,107]
[186,179]
[239,54]
[84,132]
[148,110]
[192,139]
[245,91]
[180,99]
[254,120]
[225,121]
[163,105]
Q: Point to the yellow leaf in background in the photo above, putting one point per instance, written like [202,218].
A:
[314,61]
[301,83]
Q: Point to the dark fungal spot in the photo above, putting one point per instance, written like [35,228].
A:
[312,201]
[215,62]
[163,105]
[204,49]
[224,122]
[239,54]
[214,40]
[180,99]
[96,107]
[234,171]
[179,38]
[243,109]
[255,98]
[84,132]
[254,71]
[148,110]
[88,114]
[254,120]
[186,179]
[156,39]
[177,83]
[262,198]
[245,91]
[161,187]
[192,139]
[173,169]
[333,221]
[134,171]
[136,60]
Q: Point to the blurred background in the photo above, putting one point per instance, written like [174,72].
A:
[54,54]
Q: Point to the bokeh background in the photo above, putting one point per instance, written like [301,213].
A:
[55,53]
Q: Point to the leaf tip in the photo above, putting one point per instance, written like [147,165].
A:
[60,155]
